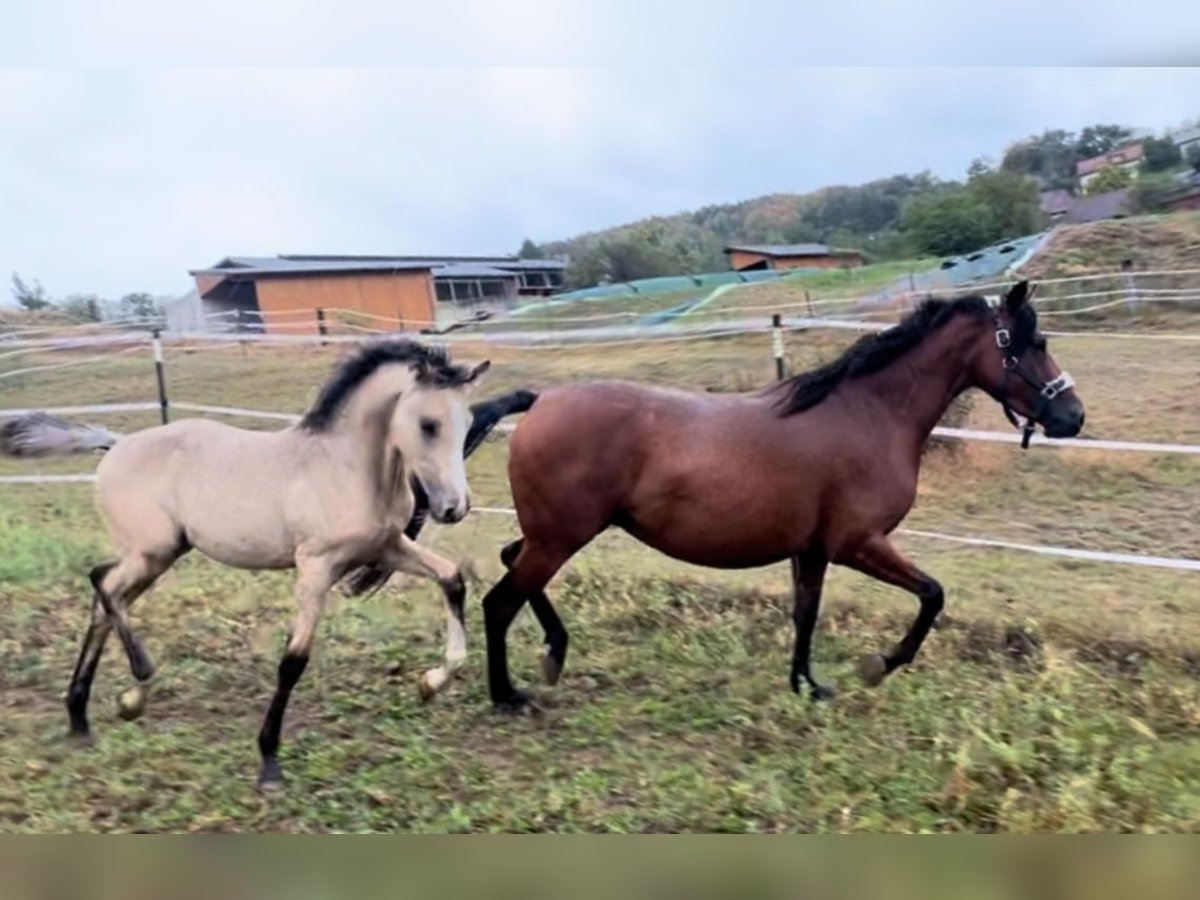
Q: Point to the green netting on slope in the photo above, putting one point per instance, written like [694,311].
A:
[649,287]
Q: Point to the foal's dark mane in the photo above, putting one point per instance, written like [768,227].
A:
[431,364]
[873,352]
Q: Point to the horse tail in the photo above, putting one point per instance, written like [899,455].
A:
[487,415]
[41,434]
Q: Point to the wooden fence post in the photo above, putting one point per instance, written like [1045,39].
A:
[160,374]
[322,328]
[777,344]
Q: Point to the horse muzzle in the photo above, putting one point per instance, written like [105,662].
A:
[1064,423]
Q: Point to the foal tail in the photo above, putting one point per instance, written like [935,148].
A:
[485,416]
[41,434]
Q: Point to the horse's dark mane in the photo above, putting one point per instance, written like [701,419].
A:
[431,364]
[873,352]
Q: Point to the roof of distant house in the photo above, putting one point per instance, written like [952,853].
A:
[1055,201]
[788,249]
[1126,154]
[1109,205]
[1186,135]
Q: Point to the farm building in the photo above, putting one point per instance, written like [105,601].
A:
[752,257]
[284,293]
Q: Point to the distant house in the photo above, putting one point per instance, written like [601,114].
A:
[753,257]
[1127,157]
[284,293]
[1055,203]
[1186,138]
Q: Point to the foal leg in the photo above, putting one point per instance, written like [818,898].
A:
[80,688]
[554,651]
[312,584]
[117,586]
[808,577]
[879,559]
[409,556]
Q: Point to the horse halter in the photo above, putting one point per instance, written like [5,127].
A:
[1046,390]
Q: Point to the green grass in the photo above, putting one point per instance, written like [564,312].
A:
[1060,695]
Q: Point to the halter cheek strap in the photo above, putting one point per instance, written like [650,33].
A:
[1047,390]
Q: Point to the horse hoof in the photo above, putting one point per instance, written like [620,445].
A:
[80,739]
[270,779]
[551,667]
[822,692]
[872,669]
[132,703]
[515,704]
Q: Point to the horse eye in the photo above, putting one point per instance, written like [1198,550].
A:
[429,428]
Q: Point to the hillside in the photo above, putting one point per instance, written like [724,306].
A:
[863,216]
[1152,243]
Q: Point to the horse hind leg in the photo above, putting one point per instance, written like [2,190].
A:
[554,651]
[531,569]
[879,559]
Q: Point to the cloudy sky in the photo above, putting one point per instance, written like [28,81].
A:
[115,180]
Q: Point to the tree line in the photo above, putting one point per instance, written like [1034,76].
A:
[32,297]
[899,217]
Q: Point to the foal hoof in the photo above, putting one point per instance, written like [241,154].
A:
[140,663]
[551,667]
[132,703]
[822,692]
[80,739]
[872,669]
[515,704]
[428,686]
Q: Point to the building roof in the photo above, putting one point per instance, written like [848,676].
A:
[1127,154]
[1055,201]
[298,264]
[262,266]
[1109,205]
[787,249]
[471,270]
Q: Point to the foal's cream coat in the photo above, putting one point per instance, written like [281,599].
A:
[321,501]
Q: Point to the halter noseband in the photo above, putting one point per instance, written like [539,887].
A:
[1046,390]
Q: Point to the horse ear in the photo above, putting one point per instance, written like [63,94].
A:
[479,370]
[1017,296]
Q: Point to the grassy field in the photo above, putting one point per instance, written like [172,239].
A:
[1059,695]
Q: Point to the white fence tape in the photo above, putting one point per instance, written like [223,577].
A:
[962,434]
[234,411]
[98,409]
[1133,559]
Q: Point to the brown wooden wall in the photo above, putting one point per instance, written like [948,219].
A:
[403,299]
[741,259]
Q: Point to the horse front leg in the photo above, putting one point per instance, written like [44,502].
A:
[879,559]
[808,579]
[410,557]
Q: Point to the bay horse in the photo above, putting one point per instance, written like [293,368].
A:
[817,469]
[325,497]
